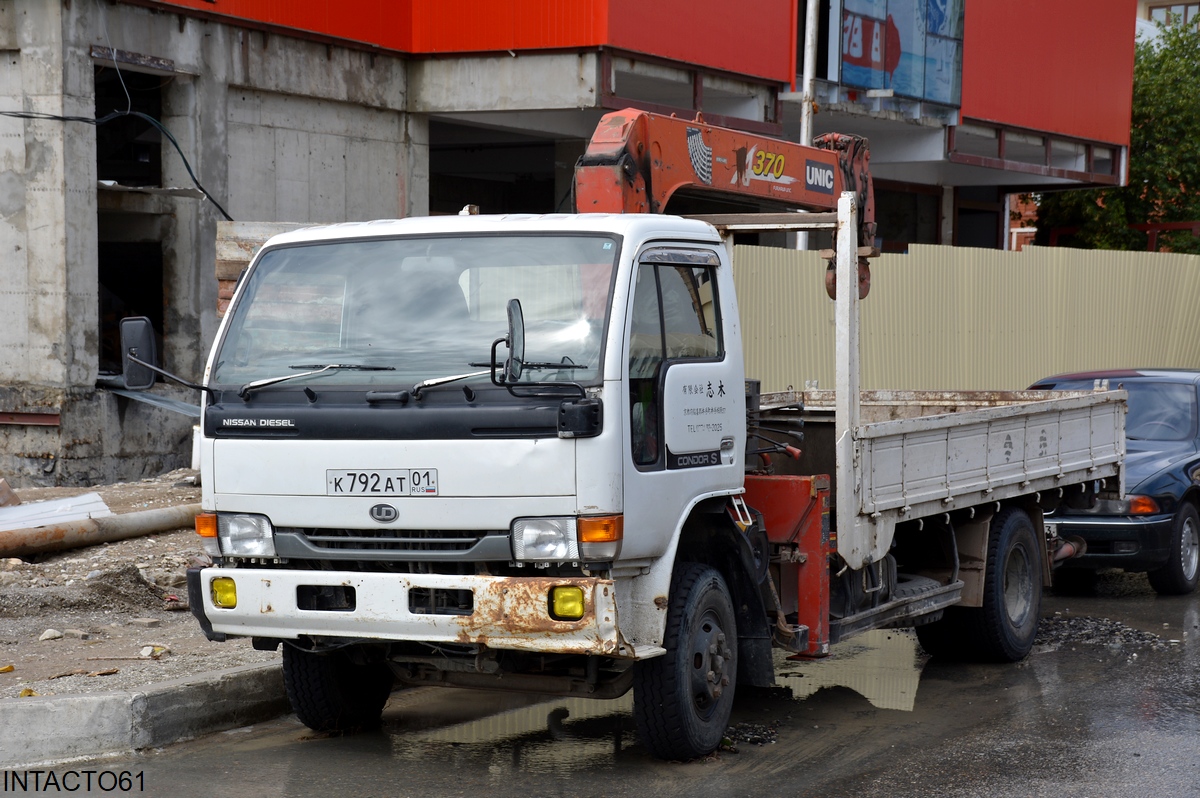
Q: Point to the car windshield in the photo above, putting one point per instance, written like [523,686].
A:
[1158,411]
[421,308]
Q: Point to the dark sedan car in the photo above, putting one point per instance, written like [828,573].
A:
[1155,528]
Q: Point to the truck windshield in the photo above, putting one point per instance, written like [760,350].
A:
[423,307]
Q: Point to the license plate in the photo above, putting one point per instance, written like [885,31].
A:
[1051,528]
[386,482]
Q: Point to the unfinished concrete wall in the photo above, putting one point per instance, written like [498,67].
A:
[274,128]
[305,160]
[321,134]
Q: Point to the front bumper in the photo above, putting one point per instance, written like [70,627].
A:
[1146,540]
[507,612]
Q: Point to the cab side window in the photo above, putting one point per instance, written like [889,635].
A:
[673,318]
[645,364]
[688,333]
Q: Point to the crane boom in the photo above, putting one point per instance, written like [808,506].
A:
[637,161]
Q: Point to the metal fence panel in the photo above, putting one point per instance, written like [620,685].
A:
[955,318]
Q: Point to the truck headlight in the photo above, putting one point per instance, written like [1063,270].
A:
[244,535]
[544,540]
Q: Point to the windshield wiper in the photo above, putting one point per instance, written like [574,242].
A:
[416,391]
[318,368]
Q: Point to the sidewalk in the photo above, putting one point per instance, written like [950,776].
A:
[42,730]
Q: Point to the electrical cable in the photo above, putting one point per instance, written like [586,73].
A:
[163,129]
[112,51]
[117,114]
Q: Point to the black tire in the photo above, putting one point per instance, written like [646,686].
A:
[1182,571]
[682,700]
[330,693]
[1003,629]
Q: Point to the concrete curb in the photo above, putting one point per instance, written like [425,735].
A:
[48,729]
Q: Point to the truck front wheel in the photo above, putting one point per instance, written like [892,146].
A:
[330,692]
[682,700]
[1003,629]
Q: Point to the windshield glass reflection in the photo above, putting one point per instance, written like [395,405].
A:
[426,307]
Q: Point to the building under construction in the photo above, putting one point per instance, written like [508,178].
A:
[129,128]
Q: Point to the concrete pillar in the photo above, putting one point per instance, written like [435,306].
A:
[414,177]
[194,110]
[60,238]
[946,234]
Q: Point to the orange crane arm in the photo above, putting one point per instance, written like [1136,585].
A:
[636,161]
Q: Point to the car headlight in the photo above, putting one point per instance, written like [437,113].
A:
[244,535]
[544,540]
[1142,505]
[1133,504]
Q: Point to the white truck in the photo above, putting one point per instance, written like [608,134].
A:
[522,453]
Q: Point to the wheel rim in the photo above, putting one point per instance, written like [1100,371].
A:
[1018,586]
[1189,549]
[710,660]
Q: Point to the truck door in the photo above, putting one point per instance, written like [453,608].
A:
[686,408]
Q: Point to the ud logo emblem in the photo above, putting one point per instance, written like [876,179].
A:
[384,513]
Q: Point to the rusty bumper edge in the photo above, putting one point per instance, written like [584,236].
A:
[508,612]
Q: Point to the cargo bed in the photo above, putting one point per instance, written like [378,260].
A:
[919,453]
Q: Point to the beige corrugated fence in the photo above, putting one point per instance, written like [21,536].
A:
[952,318]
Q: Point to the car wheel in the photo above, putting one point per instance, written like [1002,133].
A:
[683,699]
[1182,570]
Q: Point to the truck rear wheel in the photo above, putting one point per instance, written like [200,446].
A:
[1003,629]
[682,700]
[329,692]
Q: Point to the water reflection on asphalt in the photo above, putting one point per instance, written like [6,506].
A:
[552,736]
[883,666]
[565,735]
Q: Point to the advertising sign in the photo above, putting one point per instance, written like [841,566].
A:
[913,47]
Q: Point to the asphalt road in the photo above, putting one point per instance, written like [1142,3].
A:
[877,718]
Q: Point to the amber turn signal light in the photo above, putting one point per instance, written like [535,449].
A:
[600,537]
[1142,505]
[601,529]
[206,525]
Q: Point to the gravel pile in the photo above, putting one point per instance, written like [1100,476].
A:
[749,734]
[1061,630]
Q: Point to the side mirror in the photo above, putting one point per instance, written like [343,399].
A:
[137,344]
[516,342]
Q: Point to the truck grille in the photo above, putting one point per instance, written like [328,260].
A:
[393,539]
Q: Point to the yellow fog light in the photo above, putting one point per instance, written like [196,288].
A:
[224,592]
[566,603]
